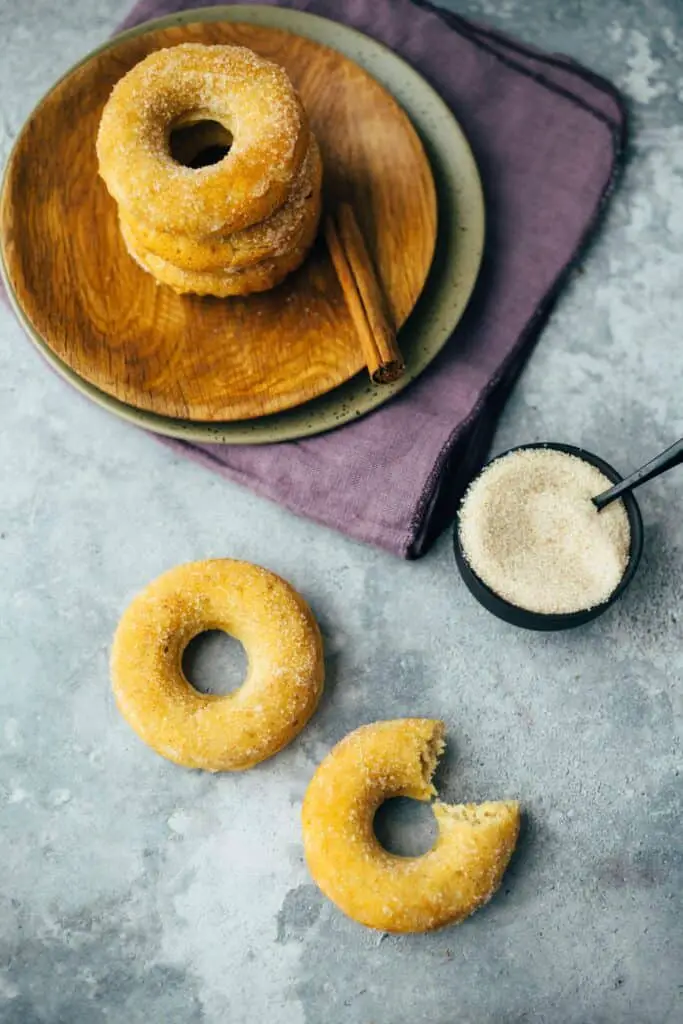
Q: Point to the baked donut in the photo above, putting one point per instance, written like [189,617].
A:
[250,96]
[276,236]
[284,680]
[380,889]
[258,277]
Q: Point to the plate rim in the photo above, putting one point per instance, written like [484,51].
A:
[358,396]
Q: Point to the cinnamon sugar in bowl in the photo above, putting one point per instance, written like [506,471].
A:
[532,547]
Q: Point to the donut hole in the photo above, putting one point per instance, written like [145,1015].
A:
[215,663]
[200,143]
[405,827]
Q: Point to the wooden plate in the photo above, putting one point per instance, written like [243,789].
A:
[206,359]
[460,242]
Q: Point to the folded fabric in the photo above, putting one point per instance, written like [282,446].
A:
[547,135]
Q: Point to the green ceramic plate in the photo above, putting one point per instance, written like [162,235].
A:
[456,263]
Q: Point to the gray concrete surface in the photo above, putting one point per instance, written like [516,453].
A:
[132,891]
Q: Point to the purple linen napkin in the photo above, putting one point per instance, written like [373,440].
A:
[547,135]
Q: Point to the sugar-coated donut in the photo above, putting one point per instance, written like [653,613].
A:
[250,96]
[257,277]
[276,236]
[284,680]
[380,889]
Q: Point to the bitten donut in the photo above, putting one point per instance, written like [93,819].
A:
[250,96]
[284,680]
[285,230]
[258,277]
[380,889]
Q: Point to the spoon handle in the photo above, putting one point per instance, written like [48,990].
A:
[673,456]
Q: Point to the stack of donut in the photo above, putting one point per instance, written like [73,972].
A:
[232,227]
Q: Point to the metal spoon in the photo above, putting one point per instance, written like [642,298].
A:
[673,456]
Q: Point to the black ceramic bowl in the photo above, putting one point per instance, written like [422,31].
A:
[537,620]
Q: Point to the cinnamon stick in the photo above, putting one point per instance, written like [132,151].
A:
[364,297]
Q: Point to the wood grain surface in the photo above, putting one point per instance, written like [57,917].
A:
[204,359]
